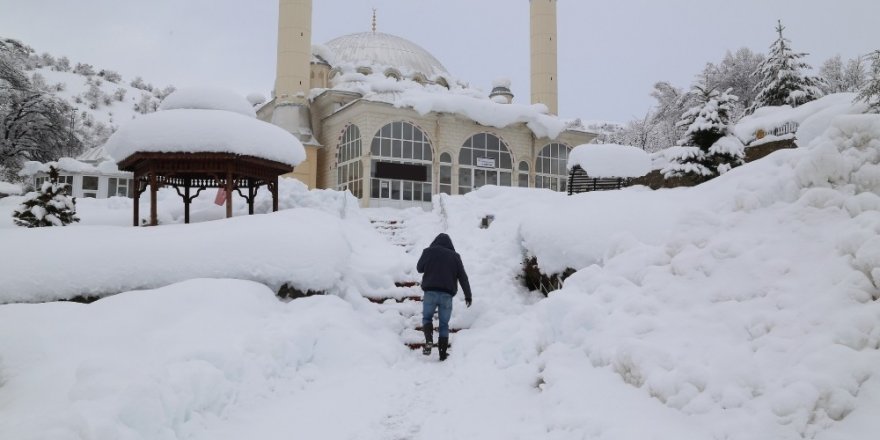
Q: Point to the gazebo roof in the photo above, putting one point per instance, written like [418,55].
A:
[610,160]
[205,131]
[208,98]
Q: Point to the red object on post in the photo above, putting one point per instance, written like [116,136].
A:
[220,198]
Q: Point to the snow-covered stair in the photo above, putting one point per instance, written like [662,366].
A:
[405,302]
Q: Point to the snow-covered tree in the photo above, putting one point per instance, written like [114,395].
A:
[854,75]
[50,205]
[84,69]
[840,77]
[33,124]
[831,73]
[147,104]
[870,92]
[119,94]
[93,96]
[63,64]
[782,77]
[110,76]
[706,150]
[736,72]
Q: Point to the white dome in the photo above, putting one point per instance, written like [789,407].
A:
[208,98]
[375,49]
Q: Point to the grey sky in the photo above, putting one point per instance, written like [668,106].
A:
[611,52]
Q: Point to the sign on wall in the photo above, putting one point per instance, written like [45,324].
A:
[485,162]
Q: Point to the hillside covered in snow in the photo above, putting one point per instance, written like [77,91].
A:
[744,308]
[102,99]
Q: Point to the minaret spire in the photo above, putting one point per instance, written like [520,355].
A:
[374,20]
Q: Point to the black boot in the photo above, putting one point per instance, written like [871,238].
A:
[429,338]
[443,344]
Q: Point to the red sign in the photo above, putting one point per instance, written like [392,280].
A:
[220,198]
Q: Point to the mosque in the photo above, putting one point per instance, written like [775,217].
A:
[384,119]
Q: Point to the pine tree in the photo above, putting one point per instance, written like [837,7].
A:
[48,206]
[870,92]
[782,78]
[705,149]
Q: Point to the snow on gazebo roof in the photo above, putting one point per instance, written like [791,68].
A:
[207,98]
[198,122]
[610,160]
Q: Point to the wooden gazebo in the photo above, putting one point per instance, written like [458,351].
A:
[192,173]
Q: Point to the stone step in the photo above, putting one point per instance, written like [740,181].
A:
[420,345]
[402,299]
[452,330]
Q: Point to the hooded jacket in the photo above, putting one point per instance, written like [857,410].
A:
[442,268]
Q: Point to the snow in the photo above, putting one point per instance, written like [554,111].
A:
[744,308]
[769,139]
[70,165]
[208,98]
[10,189]
[467,102]
[813,117]
[205,131]
[610,160]
[501,82]
[75,85]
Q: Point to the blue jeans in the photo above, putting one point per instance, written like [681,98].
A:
[433,301]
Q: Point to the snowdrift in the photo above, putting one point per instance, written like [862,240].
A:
[745,308]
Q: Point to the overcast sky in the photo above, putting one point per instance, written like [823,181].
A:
[611,51]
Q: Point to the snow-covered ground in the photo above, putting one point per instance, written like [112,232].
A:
[745,308]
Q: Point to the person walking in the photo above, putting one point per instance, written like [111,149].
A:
[443,272]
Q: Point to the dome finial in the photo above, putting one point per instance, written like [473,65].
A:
[374,20]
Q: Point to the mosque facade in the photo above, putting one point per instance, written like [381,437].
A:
[383,118]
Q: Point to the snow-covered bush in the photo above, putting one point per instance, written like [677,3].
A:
[111,76]
[48,206]
[84,69]
[63,64]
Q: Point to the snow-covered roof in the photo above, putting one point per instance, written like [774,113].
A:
[376,49]
[68,165]
[813,118]
[610,160]
[467,102]
[208,98]
[93,155]
[10,189]
[205,131]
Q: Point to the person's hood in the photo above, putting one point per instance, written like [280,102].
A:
[444,241]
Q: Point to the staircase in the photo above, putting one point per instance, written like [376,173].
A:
[394,230]
[405,298]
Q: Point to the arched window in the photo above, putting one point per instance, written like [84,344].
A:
[524,174]
[484,160]
[551,170]
[349,171]
[401,168]
[446,173]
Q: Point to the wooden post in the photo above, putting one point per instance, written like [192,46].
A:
[186,200]
[154,183]
[251,195]
[228,192]
[275,196]
[137,199]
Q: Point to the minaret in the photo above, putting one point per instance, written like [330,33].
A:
[545,88]
[293,82]
[294,51]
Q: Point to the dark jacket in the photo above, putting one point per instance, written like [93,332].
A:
[442,268]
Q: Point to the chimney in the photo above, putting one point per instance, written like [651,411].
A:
[543,48]
[501,91]
[292,81]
